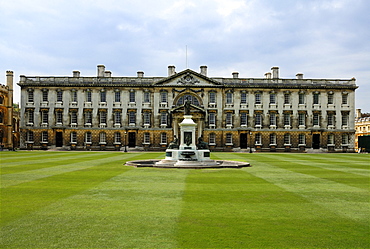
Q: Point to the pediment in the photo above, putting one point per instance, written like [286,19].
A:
[187,78]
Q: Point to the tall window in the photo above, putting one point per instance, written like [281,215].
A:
[73,117]
[286,119]
[301,98]
[132,97]
[103,96]
[316,98]
[272,98]
[88,137]
[88,117]
[102,138]
[258,98]
[117,137]
[301,139]
[193,100]
[243,118]
[132,117]
[212,118]
[30,116]
[344,99]
[163,97]
[330,98]
[73,137]
[258,139]
[316,119]
[212,97]
[88,96]
[229,98]
[117,117]
[1,120]
[272,138]
[345,139]
[117,96]
[229,138]
[243,98]
[163,118]
[29,136]
[45,117]
[146,97]
[30,96]
[44,137]
[286,98]
[229,118]
[146,118]
[344,119]
[59,96]
[286,138]
[163,138]
[272,119]
[59,117]
[258,119]
[212,139]
[301,119]
[45,97]
[330,119]
[146,138]
[330,139]
[74,96]
[103,117]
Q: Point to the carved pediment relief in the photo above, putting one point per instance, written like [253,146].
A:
[188,78]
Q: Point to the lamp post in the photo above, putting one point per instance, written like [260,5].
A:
[250,143]
[125,141]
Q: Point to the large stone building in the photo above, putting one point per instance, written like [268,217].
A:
[266,114]
[362,125]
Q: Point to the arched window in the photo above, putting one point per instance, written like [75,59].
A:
[193,100]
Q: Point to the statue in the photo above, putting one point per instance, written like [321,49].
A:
[174,144]
[187,107]
[201,144]
[187,139]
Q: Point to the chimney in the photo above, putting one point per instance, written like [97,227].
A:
[358,113]
[9,79]
[235,75]
[107,74]
[101,69]
[275,72]
[268,75]
[171,70]
[140,74]
[299,76]
[203,70]
[76,73]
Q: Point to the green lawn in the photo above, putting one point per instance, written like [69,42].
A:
[91,200]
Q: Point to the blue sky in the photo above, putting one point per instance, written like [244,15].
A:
[320,38]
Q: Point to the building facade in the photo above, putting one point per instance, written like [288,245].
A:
[232,114]
[362,125]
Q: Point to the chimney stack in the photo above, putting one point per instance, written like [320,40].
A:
[268,75]
[275,72]
[203,70]
[76,73]
[101,70]
[171,70]
[299,76]
[9,79]
[140,74]
[235,75]
[107,73]
[358,113]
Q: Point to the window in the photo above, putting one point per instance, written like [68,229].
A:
[59,117]
[229,139]
[117,117]
[146,118]
[45,96]
[316,119]
[146,138]
[102,138]
[88,137]
[258,139]
[163,138]
[146,97]
[30,96]
[132,117]
[344,99]
[330,98]
[45,117]
[272,119]
[243,118]
[301,119]
[73,117]
[243,98]
[132,97]
[163,118]
[30,116]
[229,118]
[1,119]
[73,137]
[59,96]
[286,138]
[117,96]
[344,119]
[272,98]
[103,96]
[286,119]
[286,98]
[316,98]
[212,139]
[345,139]
[258,99]
[258,119]
[330,119]
[331,139]
[88,96]
[193,100]
[163,97]
[229,98]
[74,96]
[117,138]
[1,100]
[212,118]
[44,137]
[272,139]
[301,139]
[103,117]
[212,98]
[29,136]
[88,117]
[301,98]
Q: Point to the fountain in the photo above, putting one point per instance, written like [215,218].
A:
[187,154]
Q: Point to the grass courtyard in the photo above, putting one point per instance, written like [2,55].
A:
[91,200]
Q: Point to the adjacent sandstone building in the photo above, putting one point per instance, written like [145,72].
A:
[232,114]
[362,125]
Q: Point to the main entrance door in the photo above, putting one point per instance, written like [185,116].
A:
[59,139]
[243,140]
[316,141]
[131,139]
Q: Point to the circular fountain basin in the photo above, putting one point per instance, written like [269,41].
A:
[155,163]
